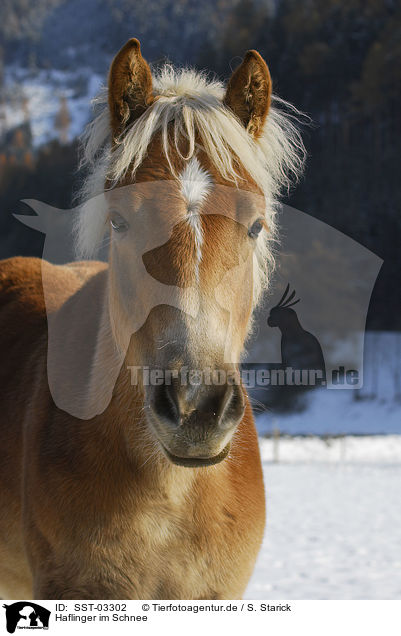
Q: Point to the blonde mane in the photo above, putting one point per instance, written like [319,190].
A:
[193,105]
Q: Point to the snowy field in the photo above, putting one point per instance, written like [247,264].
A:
[333,520]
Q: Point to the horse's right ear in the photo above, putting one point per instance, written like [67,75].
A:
[130,86]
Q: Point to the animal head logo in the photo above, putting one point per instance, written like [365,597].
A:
[26,615]
[282,313]
[300,349]
[336,276]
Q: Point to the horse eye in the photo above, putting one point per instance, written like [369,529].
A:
[255,229]
[118,223]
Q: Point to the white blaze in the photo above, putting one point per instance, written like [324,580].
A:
[195,183]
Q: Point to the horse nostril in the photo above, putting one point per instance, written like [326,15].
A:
[233,407]
[165,403]
[207,406]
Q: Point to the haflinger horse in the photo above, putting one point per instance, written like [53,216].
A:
[160,495]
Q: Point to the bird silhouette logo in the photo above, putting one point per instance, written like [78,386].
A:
[300,349]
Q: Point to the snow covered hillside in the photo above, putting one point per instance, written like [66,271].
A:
[373,409]
[336,413]
[333,520]
[35,97]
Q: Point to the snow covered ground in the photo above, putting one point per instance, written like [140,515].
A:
[333,520]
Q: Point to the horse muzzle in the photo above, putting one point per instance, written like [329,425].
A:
[195,426]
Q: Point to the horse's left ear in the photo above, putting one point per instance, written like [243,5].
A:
[249,92]
[130,86]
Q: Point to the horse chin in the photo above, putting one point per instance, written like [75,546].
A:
[197,462]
